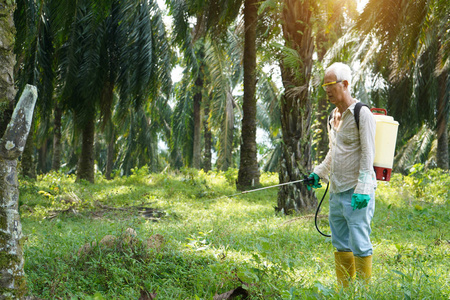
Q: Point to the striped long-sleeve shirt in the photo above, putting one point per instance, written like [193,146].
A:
[349,161]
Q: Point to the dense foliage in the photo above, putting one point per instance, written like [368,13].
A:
[108,66]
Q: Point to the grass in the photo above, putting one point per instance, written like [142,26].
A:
[214,244]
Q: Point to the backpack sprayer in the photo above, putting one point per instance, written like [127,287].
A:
[385,138]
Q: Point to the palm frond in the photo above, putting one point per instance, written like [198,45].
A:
[219,14]
[274,157]
[141,146]
[137,68]
[336,52]
[182,122]
[63,14]
[181,31]
[401,26]
[416,150]
[225,72]
[235,52]
[425,85]
[73,55]
[269,112]
[444,50]
[162,55]
[226,137]
[35,51]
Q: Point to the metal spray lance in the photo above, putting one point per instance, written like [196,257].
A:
[307,180]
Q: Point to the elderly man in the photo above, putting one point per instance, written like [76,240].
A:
[348,167]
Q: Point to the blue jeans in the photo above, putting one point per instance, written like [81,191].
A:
[350,229]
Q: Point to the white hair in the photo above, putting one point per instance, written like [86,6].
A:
[342,72]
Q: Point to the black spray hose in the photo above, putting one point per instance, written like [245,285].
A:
[317,212]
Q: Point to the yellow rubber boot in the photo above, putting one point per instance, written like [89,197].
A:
[345,267]
[364,267]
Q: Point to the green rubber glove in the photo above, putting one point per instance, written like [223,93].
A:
[360,201]
[316,183]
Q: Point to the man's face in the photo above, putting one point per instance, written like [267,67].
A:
[335,92]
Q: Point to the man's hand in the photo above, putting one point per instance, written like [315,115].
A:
[360,201]
[313,181]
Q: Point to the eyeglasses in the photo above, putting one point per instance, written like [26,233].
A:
[325,85]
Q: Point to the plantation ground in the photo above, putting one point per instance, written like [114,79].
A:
[214,244]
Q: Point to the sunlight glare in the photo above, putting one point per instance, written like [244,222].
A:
[361,5]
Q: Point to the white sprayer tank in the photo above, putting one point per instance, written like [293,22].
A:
[385,139]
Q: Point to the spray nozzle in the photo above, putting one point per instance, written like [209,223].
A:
[309,180]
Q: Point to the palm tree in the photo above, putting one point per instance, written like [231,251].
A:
[136,138]
[214,68]
[34,50]
[213,17]
[296,106]
[181,142]
[225,73]
[117,45]
[187,118]
[223,60]
[269,119]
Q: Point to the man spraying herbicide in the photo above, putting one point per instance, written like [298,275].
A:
[348,166]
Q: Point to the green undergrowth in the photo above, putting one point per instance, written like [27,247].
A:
[214,243]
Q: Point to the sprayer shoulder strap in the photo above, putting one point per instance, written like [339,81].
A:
[358,107]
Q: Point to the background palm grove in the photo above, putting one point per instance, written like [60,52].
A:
[247,100]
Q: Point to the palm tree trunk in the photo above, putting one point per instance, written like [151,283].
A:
[110,155]
[197,147]
[199,82]
[296,157]
[296,109]
[442,121]
[248,175]
[153,154]
[322,115]
[86,162]
[208,140]
[7,62]
[322,108]
[56,159]
[12,277]
[42,166]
